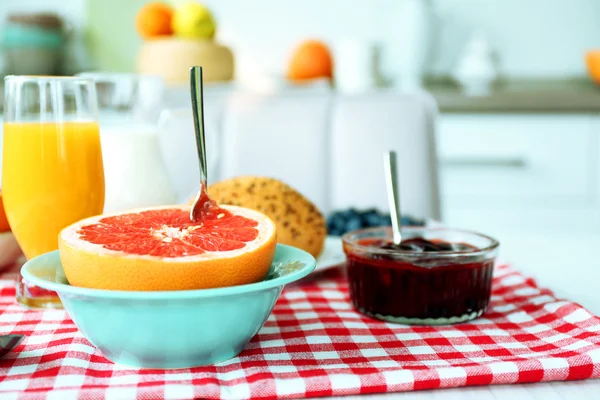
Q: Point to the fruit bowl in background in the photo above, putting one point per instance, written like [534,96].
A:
[171,329]
[592,60]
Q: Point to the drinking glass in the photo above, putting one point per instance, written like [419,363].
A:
[52,171]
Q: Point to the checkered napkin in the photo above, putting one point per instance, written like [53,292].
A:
[315,344]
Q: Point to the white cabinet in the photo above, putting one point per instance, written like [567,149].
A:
[506,171]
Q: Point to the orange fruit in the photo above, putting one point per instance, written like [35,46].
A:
[3,221]
[592,60]
[154,19]
[312,59]
[161,249]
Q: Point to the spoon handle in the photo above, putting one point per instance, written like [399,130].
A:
[198,111]
[391,179]
[9,342]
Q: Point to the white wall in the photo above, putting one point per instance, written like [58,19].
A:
[72,10]
[533,37]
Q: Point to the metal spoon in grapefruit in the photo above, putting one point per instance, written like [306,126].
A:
[161,249]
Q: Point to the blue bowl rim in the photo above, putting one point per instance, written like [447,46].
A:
[295,255]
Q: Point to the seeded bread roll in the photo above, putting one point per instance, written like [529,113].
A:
[299,222]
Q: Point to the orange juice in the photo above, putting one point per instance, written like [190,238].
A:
[52,176]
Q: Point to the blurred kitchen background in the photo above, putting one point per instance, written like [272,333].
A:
[489,103]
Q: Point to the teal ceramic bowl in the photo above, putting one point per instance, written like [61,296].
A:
[171,329]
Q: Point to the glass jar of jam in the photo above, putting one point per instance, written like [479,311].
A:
[435,276]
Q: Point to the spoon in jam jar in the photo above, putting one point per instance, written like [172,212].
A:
[391,180]
[202,202]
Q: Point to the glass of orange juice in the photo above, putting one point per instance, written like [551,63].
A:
[52,172]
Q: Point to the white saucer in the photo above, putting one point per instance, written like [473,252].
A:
[332,254]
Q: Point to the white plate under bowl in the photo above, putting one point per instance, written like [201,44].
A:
[332,254]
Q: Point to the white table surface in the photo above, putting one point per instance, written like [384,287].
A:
[569,264]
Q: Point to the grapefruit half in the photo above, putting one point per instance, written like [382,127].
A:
[161,249]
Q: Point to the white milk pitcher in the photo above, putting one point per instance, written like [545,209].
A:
[134,172]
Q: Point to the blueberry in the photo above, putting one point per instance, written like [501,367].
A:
[336,224]
[346,214]
[339,222]
[370,218]
[350,219]
[411,221]
[353,224]
[385,220]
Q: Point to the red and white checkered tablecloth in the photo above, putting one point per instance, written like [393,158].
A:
[315,344]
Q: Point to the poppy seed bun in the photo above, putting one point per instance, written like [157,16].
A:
[299,223]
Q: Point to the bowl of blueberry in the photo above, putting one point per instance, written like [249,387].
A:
[434,276]
[344,221]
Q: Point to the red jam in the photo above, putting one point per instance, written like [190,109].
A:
[419,281]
